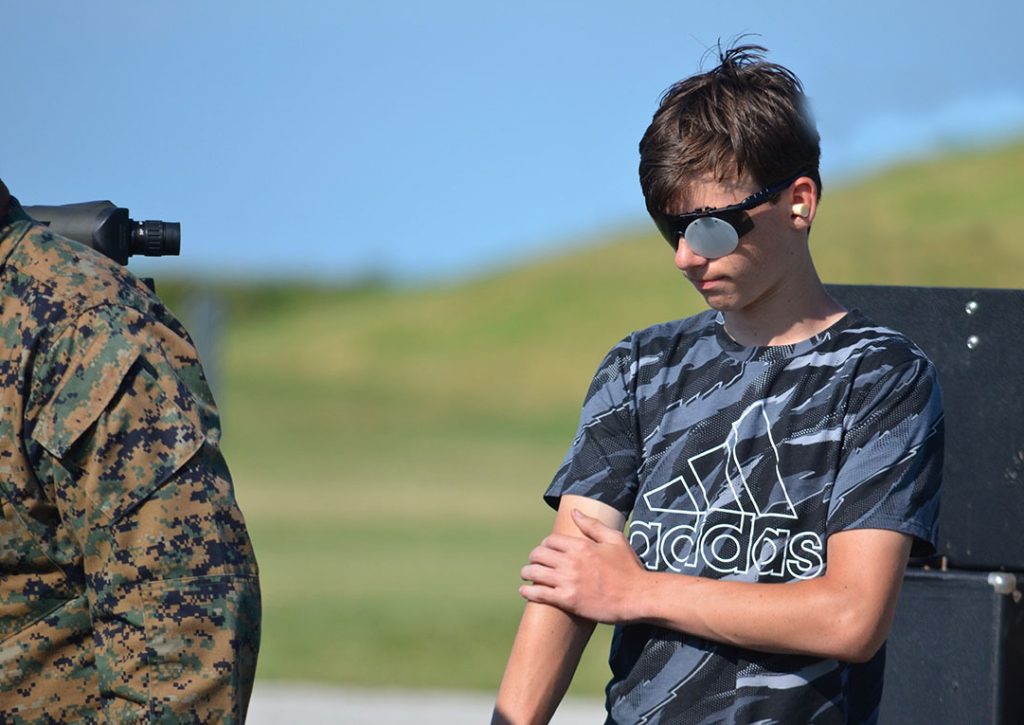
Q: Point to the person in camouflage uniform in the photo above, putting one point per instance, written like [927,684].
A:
[129,590]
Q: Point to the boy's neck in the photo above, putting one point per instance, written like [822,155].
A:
[785,316]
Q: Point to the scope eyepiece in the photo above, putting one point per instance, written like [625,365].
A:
[153,238]
[108,229]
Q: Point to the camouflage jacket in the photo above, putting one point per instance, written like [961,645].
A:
[128,586]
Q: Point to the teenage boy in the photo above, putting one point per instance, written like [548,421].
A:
[777,456]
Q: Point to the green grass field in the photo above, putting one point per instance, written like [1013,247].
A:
[390,447]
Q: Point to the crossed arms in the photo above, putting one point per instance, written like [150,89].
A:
[585,572]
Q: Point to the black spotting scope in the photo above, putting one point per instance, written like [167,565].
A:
[107,229]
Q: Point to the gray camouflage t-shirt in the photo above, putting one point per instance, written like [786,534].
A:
[738,463]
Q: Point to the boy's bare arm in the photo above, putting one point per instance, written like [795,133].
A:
[845,614]
[549,642]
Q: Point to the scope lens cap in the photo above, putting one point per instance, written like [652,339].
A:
[172,238]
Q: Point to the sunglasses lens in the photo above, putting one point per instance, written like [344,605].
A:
[711,237]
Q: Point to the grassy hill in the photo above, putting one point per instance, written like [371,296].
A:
[390,447]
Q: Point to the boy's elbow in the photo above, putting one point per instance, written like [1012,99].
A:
[861,651]
[860,637]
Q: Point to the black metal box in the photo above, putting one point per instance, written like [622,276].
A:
[975,337]
[956,651]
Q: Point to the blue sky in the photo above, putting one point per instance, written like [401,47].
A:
[433,140]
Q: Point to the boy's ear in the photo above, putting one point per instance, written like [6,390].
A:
[803,201]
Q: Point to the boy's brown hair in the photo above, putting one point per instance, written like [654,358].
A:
[746,117]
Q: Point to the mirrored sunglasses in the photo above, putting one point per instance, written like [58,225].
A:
[713,233]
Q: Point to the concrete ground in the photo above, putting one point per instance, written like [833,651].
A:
[274,703]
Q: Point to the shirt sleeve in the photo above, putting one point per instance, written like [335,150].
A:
[124,435]
[891,461]
[602,461]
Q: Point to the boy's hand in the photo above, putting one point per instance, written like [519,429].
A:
[595,576]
